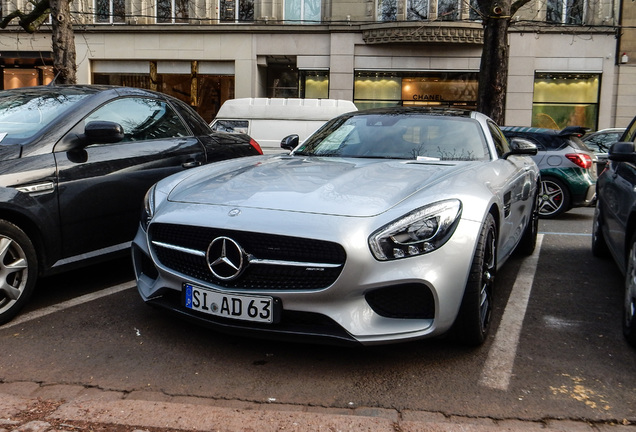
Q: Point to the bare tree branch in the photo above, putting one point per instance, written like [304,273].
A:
[31,21]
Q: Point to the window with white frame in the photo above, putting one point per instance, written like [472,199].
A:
[236,10]
[474,12]
[387,10]
[172,11]
[417,10]
[565,11]
[303,10]
[448,10]
[110,11]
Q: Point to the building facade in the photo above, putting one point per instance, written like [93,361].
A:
[565,65]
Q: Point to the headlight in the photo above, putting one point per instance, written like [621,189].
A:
[149,207]
[419,232]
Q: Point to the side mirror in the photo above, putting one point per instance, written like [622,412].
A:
[622,152]
[521,146]
[290,142]
[103,132]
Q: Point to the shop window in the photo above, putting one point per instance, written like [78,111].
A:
[417,10]
[172,11]
[210,90]
[303,11]
[282,81]
[565,11]
[447,89]
[314,84]
[110,11]
[448,10]
[565,99]
[387,10]
[236,10]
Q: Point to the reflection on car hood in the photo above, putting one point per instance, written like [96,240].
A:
[347,187]
[9,152]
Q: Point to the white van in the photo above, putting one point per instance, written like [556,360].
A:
[269,120]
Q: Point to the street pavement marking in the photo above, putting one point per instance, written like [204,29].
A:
[498,367]
[67,304]
[568,234]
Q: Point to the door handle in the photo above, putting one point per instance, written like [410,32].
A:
[191,164]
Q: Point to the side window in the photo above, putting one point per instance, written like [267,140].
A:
[501,144]
[142,119]
[630,133]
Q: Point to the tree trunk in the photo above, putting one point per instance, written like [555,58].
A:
[63,42]
[493,71]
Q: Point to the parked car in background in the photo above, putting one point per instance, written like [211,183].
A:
[600,141]
[385,225]
[568,169]
[269,120]
[75,163]
[614,227]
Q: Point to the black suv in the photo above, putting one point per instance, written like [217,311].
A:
[614,227]
[75,164]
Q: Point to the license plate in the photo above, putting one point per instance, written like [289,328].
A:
[233,306]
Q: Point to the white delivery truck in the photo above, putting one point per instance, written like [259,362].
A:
[269,120]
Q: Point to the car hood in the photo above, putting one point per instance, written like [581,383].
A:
[335,186]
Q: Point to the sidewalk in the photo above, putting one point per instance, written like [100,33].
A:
[29,407]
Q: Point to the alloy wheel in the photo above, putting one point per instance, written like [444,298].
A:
[13,272]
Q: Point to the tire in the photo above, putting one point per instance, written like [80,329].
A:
[554,198]
[18,270]
[599,246]
[529,237]
[473,321]
[629,304]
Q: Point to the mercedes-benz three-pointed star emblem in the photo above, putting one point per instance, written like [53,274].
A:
[225,258]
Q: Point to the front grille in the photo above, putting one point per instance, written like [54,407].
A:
[410,301]
[258,245]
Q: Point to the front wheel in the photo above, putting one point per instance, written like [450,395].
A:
[473,321]
[629,309]
[18,270]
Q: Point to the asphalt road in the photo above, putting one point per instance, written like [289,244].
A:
[558,355]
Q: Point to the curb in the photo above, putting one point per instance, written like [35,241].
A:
[138,410]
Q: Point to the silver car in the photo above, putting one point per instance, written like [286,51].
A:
[385,225]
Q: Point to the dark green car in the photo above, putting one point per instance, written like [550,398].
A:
[568,167]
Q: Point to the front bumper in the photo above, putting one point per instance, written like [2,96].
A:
[369,302]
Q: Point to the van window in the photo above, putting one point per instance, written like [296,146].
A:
[232,126]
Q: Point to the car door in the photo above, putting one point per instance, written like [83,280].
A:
[618,202]
[518,182]
[101,186]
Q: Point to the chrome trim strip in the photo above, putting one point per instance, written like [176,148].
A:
[179,248]
[37,188]
[93,254]
[251,259]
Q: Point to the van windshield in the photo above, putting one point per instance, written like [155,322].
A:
[231,126]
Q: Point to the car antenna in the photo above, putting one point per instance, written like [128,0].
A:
[52,83]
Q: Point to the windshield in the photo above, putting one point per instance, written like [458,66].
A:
[24,114]
[399,136]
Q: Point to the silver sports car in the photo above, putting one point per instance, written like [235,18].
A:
[386,225]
